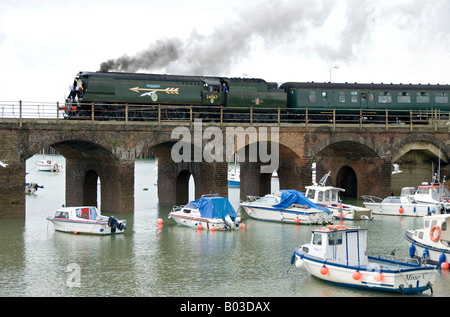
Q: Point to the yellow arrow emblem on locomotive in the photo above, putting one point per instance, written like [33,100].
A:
[169,91]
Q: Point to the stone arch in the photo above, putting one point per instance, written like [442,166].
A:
[346,179]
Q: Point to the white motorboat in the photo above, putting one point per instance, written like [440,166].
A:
[404,205]
[31,188]
[47,165]
[337,254]
[234,179]
[291,207]
[210,212]
[86,220]
[431,244]
[328,196]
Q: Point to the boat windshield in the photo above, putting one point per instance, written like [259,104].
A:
[271,200]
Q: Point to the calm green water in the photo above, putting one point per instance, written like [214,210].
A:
[172,260]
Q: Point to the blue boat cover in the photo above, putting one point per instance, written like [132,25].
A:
[214,207]
[291,196]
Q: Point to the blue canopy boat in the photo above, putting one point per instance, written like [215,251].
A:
[291,206]
[210,212]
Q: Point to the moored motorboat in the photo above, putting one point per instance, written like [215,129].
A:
[291,207]
[47,165]
[210,212]
[431,244]
[404,205]
[337,254]
[31,188]
[86,219]
[328,196]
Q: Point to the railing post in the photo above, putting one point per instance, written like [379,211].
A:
[126,113]
[279,116]
[190,115]
[57,111]
[306,118]
[221,115]
[159,114]
[20,114]
[251,115]
[334,119]
[360,119]
[410,120]
[92,112]
[387,119]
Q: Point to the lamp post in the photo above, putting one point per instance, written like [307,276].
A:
[331,68]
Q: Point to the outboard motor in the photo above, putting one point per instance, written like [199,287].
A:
[114,224]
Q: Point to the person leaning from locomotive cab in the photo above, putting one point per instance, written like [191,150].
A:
[224,87]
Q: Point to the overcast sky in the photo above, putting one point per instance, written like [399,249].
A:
[44,44]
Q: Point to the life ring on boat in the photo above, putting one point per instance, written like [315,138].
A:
[432,236]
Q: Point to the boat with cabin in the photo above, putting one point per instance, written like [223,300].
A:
[337,254]
[86,219]
[47,165]
[328,196]
[211,212]
[404,205]
[290,206]
[431,244]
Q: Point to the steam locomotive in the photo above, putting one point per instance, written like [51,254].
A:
[108,93]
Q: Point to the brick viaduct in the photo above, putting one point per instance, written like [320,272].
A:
[360,160]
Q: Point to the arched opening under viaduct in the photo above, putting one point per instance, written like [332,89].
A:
[353,167]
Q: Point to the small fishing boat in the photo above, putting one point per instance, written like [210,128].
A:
[431,244]
[31,188]
[404,205]
[337,254]
[86,220]
[210,212]
[328,196]
[234,179]
[47,165]
[291,207]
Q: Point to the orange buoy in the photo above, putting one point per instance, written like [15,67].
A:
[159,221]
[324,270]
[401,210]
[378,277]
[297,220]
[444,265]
[199,226]
[356,275]
[212,228]
[242,225]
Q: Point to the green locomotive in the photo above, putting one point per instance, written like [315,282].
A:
[108,93]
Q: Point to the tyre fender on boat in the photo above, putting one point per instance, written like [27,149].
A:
[433,237]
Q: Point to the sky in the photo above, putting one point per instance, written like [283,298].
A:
[44,44]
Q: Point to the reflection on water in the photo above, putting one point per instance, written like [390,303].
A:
[172,260]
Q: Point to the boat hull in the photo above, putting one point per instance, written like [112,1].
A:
[435,252]
[380,274]
[291,215]
[350,213]
[203,223]
[411,210]
[84,227]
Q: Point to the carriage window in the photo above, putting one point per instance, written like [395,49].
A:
[354,96]
[441,97]
[312,96]
[342,96]
[423,97]
[324,96]
[404,97]
[384,97]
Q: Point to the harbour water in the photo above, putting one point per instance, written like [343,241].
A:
[173,260]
